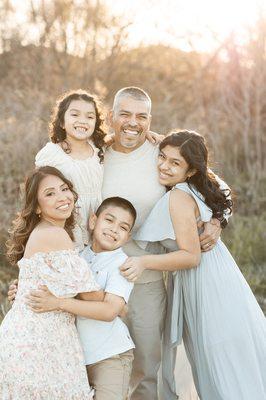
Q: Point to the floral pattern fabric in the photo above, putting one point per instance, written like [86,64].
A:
[40,354]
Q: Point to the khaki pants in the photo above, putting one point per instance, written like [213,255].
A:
[110,377]
[145,320]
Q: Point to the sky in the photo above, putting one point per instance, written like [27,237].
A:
[205,21]
[187,24]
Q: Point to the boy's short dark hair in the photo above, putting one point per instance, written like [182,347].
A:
[118,202]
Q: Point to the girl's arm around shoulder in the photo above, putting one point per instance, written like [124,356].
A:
[183,211]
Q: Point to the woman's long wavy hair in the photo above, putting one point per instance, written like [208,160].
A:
[27,219]
[193,148]
[58,134]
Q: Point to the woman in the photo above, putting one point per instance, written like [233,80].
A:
[210,304]
[40,355]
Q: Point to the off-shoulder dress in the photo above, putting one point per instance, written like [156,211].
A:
[40,354]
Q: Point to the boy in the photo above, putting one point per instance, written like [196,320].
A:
[107,345]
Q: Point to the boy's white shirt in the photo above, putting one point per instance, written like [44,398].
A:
[100,339]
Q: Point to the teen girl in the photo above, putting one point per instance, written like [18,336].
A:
[210,304]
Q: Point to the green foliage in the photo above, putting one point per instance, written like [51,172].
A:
[245,237]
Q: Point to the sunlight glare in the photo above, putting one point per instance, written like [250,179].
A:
[172,21]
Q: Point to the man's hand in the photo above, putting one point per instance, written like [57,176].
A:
[210,235]
[12,291]
[132,268]
[42,300]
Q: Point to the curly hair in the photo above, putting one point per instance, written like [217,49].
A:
[58,134]
[27,219]
[193,148]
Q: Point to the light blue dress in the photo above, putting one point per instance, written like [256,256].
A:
[215,312]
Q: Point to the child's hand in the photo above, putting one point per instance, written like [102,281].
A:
[42,300]
[132,268]
[109,139]
[12,291]
[154,138]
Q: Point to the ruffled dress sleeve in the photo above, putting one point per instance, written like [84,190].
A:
[158,226]
[65,273]
[51,154]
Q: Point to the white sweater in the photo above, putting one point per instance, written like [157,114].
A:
[134,177]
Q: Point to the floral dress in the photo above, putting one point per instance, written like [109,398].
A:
[40,354]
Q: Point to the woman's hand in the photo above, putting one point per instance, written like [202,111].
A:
[42,300]
[12,291]
[132,268]
[154,138]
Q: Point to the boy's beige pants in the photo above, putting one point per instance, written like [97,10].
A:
[110,377]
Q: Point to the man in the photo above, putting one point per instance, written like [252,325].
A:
[131,172]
